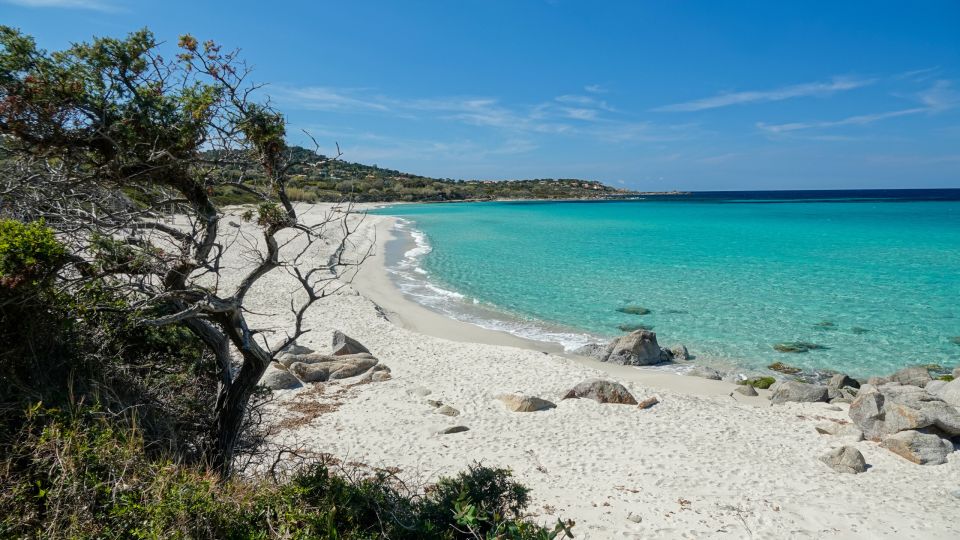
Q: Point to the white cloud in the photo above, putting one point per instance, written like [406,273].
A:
[93,5]
[595,89]
[938,98]
[837,84]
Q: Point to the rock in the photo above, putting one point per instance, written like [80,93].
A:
[453,429]
[705,372]
[279,379]
[434,403]
[891,408]
[633,327]
[746,390]
[634,517]
[840,380]
[680,352]
[858,330]
[845,459]
[602,391]
[344,344]
[918,447]
[634,310]
[933,387]
[798,347]
[319,368]
[956,372]
[638,348]
[318,358]
[950,392]
[762,383]
[377,373]
[295,348]
[784,368]
[592,350]
[877,381]
[798,391]
[825,325]
[446,410]
[913,376]
[649,402]
[522,403]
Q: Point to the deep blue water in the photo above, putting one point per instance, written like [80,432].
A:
[873,276]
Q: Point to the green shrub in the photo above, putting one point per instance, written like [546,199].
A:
[85,474]
[29,252]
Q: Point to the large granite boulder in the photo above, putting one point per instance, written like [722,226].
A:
[840,381]
[638,348]
[912,376]
[602,391]
[891,408]
[319,368]
[845,459]
[344,345]
[592,350]
[950,392]
[919,447]
[522,403]
[798,391]
[276,378]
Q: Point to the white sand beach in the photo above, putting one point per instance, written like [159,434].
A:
[703,463]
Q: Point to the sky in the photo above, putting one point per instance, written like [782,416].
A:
[708,95]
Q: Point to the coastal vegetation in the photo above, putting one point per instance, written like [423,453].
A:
[130,381]
[340,180]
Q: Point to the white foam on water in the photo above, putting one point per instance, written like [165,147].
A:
[411,278]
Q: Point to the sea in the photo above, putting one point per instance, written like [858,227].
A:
[870,277]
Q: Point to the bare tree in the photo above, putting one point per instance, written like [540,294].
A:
[122,152]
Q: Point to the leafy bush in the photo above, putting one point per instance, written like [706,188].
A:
[29,253]
[84,474]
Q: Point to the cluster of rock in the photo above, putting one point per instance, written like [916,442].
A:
[297,365]
[910,414]
[638,348]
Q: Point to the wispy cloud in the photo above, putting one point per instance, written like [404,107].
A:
[93,5]
[938,98]
[837,84]
[595,89]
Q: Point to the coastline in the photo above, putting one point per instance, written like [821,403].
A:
[700,463]
[374,283]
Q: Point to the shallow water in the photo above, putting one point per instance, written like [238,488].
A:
[875,281]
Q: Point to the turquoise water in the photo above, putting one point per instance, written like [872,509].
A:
[727,279]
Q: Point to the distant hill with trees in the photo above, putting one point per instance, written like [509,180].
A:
[339,179]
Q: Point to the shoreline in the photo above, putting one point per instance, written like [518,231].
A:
[699,463]
[373,282]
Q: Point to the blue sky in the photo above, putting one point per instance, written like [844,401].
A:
[647,95]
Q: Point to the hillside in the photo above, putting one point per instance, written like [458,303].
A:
[340,179]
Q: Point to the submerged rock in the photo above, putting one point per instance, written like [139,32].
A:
[845,459]
[633,327]
[679,352]
[784,368]
[955,340]
[919,447]
[634,310]
[602,391]
[798,347]
[762,383]
[798,391]
[857,330]
[825,325]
